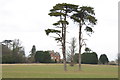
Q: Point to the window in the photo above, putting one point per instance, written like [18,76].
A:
[51,57]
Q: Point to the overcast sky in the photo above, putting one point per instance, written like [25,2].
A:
[27,19]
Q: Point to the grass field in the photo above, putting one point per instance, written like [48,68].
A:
[56,71]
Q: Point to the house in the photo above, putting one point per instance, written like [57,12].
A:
[55,56]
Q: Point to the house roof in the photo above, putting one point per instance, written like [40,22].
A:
[54,53]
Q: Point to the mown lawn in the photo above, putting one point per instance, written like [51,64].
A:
[56,71]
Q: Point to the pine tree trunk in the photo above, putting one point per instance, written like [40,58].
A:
[64,61]
[63,51]
[64,44]
[64,48]
[80,46]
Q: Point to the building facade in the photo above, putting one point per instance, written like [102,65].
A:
[55,56]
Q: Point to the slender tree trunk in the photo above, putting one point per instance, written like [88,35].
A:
[64,48]
[80,46]
[72,55]
[63,44]
[64,58]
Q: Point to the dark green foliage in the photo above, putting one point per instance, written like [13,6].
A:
[58,39]
[89,29]
[5,49]
[87,49]
[31,56]
[60,22]
[39,56]
[64,7]
[33,50]
[7,58]
[76,58]
[52,31]
[85,16]
[42,57]
[87,9]
[11,58]
[56,14]
[103,59]
[7,41]
[89,58]
[12,52]
[92,19]
[47,57]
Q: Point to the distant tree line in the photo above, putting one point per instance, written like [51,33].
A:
[90,57]
[12,51]
[39,56]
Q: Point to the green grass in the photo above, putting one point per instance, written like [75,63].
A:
[56,71]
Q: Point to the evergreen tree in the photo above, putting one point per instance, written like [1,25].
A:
[103,59]
[42,57]
[89,58]
[62,11]
[32,55]
[85,17]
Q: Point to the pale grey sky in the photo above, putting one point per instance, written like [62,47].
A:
[27,19]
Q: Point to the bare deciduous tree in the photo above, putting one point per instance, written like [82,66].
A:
[72,50]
